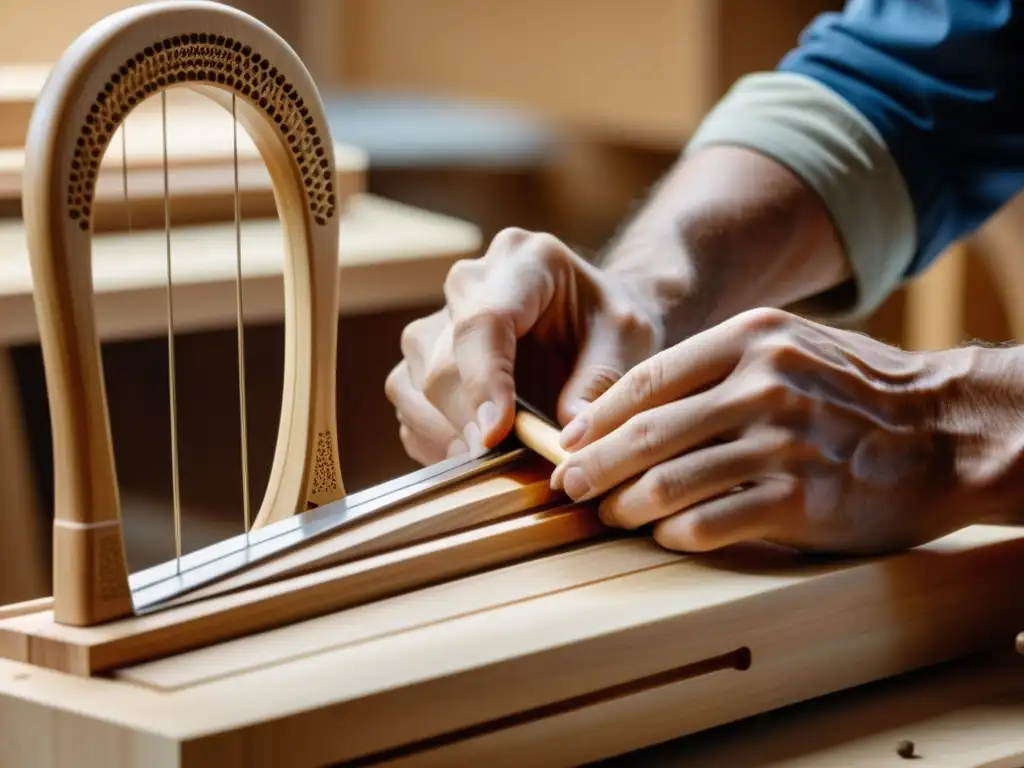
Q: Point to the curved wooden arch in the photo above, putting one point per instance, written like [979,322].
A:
[104,74]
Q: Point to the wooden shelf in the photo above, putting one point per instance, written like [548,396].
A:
[200,160]
[392,256]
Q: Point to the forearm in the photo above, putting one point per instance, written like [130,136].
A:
[728,229]
[787,196]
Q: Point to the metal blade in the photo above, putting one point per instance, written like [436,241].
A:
[155,586]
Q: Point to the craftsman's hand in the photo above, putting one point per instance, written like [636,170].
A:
[772,427]
[528,317]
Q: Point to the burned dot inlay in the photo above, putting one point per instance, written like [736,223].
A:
[200,57]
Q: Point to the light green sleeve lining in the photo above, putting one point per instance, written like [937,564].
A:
[818,135]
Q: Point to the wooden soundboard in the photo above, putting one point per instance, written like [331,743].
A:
[588,652]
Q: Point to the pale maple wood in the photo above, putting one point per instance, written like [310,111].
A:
[393,256]
[90,578]
[965,713]
[620,643]
[20,85]
[539,437]
[200,160]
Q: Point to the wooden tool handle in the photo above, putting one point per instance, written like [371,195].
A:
[539,436]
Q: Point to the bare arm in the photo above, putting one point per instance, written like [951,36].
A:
[727,230]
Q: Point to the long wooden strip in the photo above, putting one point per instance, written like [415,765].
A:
[578,567]
[487,498]
[36,639]
[810,630]
[477,501]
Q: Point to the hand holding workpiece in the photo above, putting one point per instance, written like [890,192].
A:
[529,296]
[772,427]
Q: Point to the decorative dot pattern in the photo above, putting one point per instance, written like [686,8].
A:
[325,479]
[201,58]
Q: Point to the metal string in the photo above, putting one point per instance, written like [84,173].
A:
[170,344]
[241,329]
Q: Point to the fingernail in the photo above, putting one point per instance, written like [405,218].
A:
[573,433]
[487,417]
[575,484]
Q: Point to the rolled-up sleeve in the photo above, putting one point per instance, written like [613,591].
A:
[905,116]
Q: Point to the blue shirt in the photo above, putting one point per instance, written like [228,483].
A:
[943,82]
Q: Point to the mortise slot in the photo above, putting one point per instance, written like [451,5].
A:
[738,660]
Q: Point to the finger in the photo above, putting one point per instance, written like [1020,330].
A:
[417,343]
[418,449]
[458,447]
[680,371]
[615,343]
[750,514]
[645,441]
[688,480]
[415,412]
[493,303]
[442,385]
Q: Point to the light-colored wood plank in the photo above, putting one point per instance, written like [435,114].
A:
[965,714]
[625,651]
[37,639]
[19,85]
[200,160]
[391,256]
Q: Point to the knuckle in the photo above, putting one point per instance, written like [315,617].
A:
[662,488]
[767,393]
[634,328]
[461,275]
[699,533]
[508,240]
[779,352]
[644,433]
[479,319]
[413,338]
[776,392]
[764,319]
[645,380]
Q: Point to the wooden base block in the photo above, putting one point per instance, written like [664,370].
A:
[561,659]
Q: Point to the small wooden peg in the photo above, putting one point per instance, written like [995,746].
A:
[540,437]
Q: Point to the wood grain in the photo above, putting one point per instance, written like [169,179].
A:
[575,670]
[392,256]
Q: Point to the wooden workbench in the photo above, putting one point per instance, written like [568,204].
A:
[568,658]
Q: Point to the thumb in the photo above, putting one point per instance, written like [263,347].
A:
[602,361]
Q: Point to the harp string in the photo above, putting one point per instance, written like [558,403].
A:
[170,343]
[240,325]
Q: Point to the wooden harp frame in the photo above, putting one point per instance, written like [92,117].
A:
[243,65]
[127,57]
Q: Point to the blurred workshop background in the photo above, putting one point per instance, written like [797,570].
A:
[452,119]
